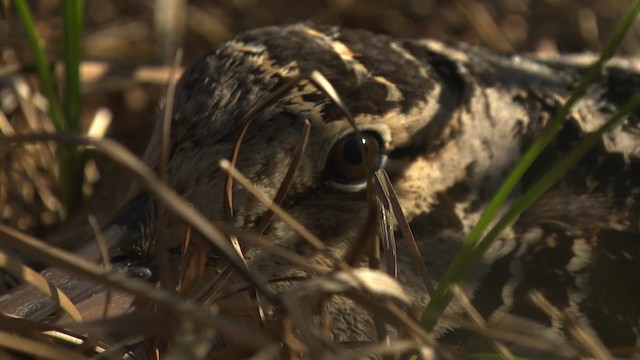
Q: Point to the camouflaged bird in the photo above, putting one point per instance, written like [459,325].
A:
[447,123]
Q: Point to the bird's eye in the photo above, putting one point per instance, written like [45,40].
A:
[344,167]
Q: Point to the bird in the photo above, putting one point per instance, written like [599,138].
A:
[447,123]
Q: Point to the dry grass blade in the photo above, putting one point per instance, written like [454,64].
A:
[302,298]
[366,241]
[104,304]
[528,341]
[390,312]
[524,340]
[190,342]
[392,350]
[106,259]
[24,273]
[5,125]
[36,348]
[9,69]
[228,193]
[288,177]
[577,330]
[368,232]
[136,322]
[234,174]
[321,84]
[65,260]
[81,343]
[100,123]
[362,244]
[373,282]
[386,188]
[485,26]
[28,105]
[475,316]
[186,277]
[31,174]
[293,310]
[106,75]
[166,280]
[325,86]
[102,244]
[168,196]
[256,240]
[227,167]
[387,235]
[24,327]
[299,316]
[209,294]
[273,98]
[169,23]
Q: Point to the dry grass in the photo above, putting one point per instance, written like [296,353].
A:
[124,78]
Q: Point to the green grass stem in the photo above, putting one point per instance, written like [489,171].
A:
[471,251]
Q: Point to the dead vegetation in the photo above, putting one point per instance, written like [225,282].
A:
[126,45]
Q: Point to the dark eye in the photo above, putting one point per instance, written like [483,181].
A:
[344,166]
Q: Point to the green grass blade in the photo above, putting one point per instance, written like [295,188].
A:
[67,119]
[551,177]
[71,162]
[464,259]
[41,62]
[72,31]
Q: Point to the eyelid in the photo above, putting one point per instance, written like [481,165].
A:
[355,187]
[380,130]
[341,173]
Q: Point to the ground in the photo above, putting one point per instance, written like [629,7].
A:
[128,35]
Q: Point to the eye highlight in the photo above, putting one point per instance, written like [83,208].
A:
[344,166]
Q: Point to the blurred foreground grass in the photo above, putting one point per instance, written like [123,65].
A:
[130,36]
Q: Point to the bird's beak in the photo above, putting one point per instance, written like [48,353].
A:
[123,233]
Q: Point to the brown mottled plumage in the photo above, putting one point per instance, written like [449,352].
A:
[451,121]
